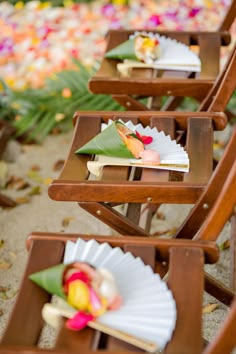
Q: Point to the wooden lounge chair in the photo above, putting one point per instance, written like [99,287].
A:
[156,84]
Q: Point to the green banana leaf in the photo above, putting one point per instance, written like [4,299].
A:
[51,279]
[125,50]
[108,143]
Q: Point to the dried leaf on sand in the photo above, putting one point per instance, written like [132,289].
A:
[210,308]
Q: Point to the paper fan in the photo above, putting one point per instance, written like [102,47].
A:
[172,155]
[174,55]
[148,312]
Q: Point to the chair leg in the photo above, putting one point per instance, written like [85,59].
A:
[113,219]
[187,337]
[218,290]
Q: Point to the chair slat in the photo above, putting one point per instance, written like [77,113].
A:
[199,139]
[70,341]
[189,302]
[208,52]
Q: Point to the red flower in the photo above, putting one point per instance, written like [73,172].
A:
[144,138]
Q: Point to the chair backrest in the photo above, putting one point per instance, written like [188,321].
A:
[223,88]
[229,17]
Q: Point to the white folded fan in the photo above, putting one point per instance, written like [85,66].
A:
[148,312]
[174,56]
[172,155]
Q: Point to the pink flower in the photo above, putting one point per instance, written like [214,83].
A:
[155,20]
[79,321]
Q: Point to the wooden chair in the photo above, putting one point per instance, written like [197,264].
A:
[134,189]
[185,279]
[25,325]
[6,132]
[185,260]
[156,84]
[121,186]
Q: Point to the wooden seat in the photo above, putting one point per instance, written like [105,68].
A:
[185,279]
[156,84]
[149,83]
[21,335]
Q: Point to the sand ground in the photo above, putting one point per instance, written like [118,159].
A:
[36,166]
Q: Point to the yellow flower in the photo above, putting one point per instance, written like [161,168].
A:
[59,117]
[120,2]
[208,4]
[19,5]
[45,5]
[15,105]
[68,3]
[78,295]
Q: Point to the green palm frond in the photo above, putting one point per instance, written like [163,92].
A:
[36,112]
[39,111]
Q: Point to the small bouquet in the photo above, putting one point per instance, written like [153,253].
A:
[91,291]
[117,140]
[140,46]
[143,311]
[151,50]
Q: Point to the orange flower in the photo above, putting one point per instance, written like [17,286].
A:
[131,140]
[66,93]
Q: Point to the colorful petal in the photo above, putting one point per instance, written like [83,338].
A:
[78,295]
[79,321]
[77,276]
[98,305]
[144,138]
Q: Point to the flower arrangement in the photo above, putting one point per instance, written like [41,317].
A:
[140,46]
[90,291]
[117,140]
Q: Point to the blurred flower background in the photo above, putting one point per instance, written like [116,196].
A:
[49,50]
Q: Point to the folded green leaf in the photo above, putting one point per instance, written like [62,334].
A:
[125,50]
[108,143]
[51,280]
